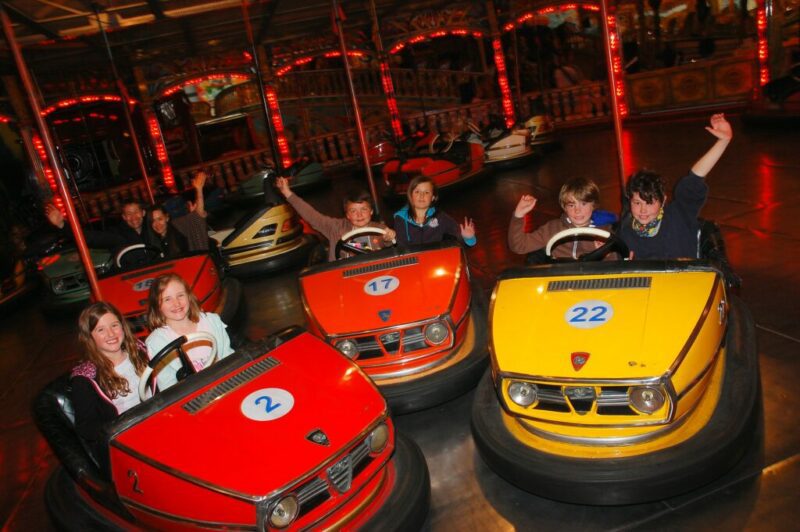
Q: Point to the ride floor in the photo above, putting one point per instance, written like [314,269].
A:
[755,197]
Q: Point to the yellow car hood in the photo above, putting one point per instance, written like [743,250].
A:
[616,325]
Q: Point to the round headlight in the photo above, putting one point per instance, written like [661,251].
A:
[348,347]
[284,512]
[646,399]
[378,438]
[436,333]
[523,393]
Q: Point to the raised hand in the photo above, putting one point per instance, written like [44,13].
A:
[199,180]
[283,186]
[54,215]
[525,205]
[467,229]
[720,127]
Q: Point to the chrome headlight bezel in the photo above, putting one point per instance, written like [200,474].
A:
[436,333]
[523,393]
[283,513]
[646,399]
[348,348]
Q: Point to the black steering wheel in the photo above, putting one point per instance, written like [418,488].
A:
[147,254]
[346,243]
[613,243]
[145,380]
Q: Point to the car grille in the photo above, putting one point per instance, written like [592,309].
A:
[337,478]
[396,342]
[69,283]
[610,400]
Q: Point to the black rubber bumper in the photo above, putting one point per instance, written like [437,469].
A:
[711,452]
[408,505]
[276,263]
[69,509]
[424,392]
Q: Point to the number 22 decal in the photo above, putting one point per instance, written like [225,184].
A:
[589,314]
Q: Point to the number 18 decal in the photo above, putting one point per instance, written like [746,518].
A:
[589,314]
[380,286]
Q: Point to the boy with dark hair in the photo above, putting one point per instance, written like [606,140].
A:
[656,230]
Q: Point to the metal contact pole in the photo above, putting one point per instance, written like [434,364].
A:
[47,140]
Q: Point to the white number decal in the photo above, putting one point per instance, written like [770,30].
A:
[589,314]
[267,404]
[380,286]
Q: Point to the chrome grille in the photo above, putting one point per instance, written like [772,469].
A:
[390,343]
[610,400]
[599,284]
[317,490]
[371,268]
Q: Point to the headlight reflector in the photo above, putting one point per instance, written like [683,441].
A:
[523,393]
[646,399]
[348,347]
[436,333]
[284,512]
[378,438]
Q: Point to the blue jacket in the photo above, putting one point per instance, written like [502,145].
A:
[436,226]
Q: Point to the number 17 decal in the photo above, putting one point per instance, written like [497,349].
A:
[589,314]
[382,285]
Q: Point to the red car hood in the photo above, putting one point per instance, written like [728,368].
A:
[128,290]
[219,444]
[382,293]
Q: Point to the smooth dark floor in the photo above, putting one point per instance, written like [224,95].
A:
[755,197]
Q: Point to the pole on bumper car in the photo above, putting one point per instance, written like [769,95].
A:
[615,82]
[362,141]
[123,92]
[25,76]
[273,135]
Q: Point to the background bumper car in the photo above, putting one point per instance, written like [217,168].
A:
[449,161]
[617,382]
[410,318]
[254,443]
[66,287]
[303,175]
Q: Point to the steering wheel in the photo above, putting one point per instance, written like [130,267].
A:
[444,146]
[613,243]
[145,380]
[345,243]
[147,249]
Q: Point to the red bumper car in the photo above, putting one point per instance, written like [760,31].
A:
[448,162]
[287,434]
[410,318]
[128,285]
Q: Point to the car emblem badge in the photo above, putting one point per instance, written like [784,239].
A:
[318,437]
[385,314]
[578,360]
[341,475]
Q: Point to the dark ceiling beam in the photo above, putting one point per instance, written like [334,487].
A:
[21,18]
[155,9]
[188,36]
[266,20]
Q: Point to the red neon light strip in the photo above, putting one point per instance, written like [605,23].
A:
[307,59]
[616,66]
[200,79]
[763,47]
[277,124]
[435,34]
[391,100]
[161,153]
[58,201]
[522,19]
[502,79]
[89,98]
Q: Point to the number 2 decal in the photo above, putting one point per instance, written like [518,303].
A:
[267,404]
[589,314]
[268,407]
[380,286]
